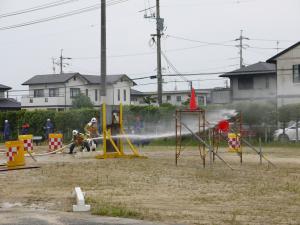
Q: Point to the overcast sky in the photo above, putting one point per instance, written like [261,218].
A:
[27,51]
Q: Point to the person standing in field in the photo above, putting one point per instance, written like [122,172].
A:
[137,130]
[25,129]
[49,128]
[91,130]
[6,131]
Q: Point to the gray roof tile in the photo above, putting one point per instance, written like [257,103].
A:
[9,103]
[254,69]
[4,87]
[62,78]
[273,59]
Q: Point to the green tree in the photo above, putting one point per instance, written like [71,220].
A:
[149,99]
[82,101]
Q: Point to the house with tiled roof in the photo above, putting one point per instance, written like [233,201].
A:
[7,103]
[57,91]
[287,63]
[253,83]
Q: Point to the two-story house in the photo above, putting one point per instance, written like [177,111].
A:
[7,103]
[57,91]
[287,64]
[256,82]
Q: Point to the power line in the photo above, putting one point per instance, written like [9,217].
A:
[241,47]
[36,8]
[183,74]
[272,40]
[173,67]
[63,15]
[213,73]
[218,43]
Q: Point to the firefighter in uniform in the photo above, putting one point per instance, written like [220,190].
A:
[91,130]
[79,140]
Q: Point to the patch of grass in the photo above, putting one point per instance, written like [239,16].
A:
[114,210]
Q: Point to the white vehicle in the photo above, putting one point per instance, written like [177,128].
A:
[288,135]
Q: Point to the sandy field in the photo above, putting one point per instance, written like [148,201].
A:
[154,189]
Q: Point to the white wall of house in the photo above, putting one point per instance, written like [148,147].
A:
[288,91]
[65,99]
[221,96]
[32,102]
[120,93]
[137,100]
[264,89]
[176,98]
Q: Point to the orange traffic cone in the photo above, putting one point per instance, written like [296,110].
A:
[193,103]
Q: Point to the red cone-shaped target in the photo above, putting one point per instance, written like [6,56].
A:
[193,103]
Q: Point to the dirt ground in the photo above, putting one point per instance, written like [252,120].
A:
[160,191]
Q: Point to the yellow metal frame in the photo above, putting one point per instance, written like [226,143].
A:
[119,151]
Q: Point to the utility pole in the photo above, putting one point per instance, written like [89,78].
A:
[159,33]
[53,65]
[241,46]
[159,28]
[61,61]
[277,46]
[103,51]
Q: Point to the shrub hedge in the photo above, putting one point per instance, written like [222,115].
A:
[66,121]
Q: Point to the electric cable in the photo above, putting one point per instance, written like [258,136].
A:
[36,8]
[218,43]
[63,15]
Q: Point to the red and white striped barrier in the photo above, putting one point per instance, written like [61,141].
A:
[55,142]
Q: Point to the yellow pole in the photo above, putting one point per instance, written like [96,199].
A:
[121,128]
[104,127]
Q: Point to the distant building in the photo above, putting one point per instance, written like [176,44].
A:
[7,103]
[220,96]
[254,83]
[172,97]
[56,91]
[287,64]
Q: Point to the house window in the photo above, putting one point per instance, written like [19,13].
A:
[245,83]
[38,93]
[87,92]
[201,100]
[267,82]
[46,99]
[119,95]
[31,100]
[53,92]
[124,95]
[168,97]
[74,92]
[178,98]
[296,73]
[96,95]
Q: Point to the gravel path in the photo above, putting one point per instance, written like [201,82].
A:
[17,216]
